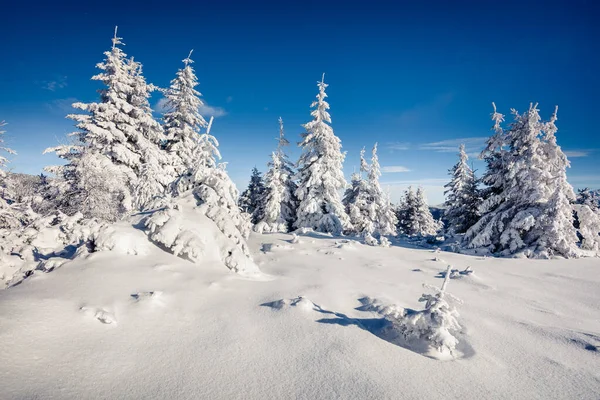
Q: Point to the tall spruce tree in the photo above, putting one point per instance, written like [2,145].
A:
[462,195]
[320,176]
[119,129]
[182,122]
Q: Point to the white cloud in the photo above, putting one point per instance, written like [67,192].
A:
[52,86]
[472,145]
[398,146]
[210,111]
[205,110]
[394,168]
[577,153]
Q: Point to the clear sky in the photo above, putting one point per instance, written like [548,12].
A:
[417,77]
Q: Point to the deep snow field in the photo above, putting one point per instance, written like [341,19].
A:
[92,330]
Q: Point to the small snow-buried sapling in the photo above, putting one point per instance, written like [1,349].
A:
[437,322]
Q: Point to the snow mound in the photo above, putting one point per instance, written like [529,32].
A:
[184,228]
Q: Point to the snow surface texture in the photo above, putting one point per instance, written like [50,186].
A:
[151,325]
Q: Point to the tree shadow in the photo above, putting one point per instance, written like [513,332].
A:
[384,329]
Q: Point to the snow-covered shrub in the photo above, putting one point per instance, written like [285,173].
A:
[200,231]
[437,323]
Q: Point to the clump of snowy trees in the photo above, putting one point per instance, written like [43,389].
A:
[122,161]
[414,216]
[525,207]
[369,208]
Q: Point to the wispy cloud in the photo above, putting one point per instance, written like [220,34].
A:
[394,168]
[53,85]
[62,105]
[205,110]
[398,146]
[577,153]
[472,145]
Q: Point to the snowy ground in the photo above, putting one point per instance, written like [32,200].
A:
[91,329]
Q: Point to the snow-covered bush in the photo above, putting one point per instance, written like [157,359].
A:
[437,323]
[200,230]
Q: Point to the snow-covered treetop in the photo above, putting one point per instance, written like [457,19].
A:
[320,113]
[282,141]
[183,122]
[364,167]
[374,170]
[3,160]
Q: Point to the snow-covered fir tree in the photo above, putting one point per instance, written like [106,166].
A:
[528,211]
[3,162]
[359,203]
[183,122]
[9,218]
[385,216]
[320,176]
[279,201]
[251,198]
[120,128]
[462,195]
[414,216]
[589,227]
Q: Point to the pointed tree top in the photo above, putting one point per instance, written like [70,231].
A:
[116,40]
[188,59]
[554,115]
[322,85]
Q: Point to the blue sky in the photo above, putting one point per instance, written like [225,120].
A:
[417,78]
